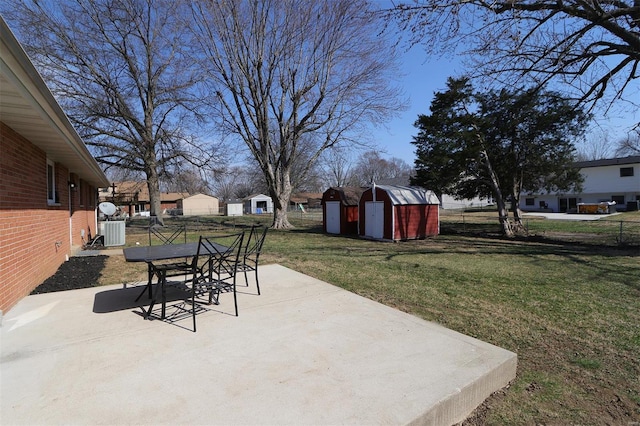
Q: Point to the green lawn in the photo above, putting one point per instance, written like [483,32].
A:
[571,311]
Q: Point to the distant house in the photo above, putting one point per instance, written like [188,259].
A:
[306,200]
[198,205]
[258,204]
[48,178]
[447,202]
[394,213]
[610,180]
[133,197]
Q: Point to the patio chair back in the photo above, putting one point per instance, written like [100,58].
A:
[219,255]
[252,250]
[215,267]
[164,235]
[253,247]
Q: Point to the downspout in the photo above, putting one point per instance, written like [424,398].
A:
[70,186]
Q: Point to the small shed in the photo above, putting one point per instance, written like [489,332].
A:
[396,213]
[198,205]
[258,204]
[340,210]
[234,208]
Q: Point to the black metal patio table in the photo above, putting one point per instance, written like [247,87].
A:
[150,254]
[161,252]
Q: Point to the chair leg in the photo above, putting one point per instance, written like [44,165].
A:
[257,283]
[235,300]
[246,280]
[164,296]
[214,299]
[193,305]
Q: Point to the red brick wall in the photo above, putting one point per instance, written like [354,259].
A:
[34,236]
[83,212]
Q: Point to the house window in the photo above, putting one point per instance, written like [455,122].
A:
[530,201]
[626,171]
[51,182]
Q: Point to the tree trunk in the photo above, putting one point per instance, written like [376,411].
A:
[153,184]
[281,196]
[515,205]
[517,214]
[503,215]
[280,219]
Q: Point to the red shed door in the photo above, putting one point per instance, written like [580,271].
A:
[333,217]
[374,219]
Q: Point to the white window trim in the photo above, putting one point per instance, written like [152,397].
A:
[51,191]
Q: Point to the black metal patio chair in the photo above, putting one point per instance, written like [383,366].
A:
[213,271]
[159,234]
[251,253]
[167,235]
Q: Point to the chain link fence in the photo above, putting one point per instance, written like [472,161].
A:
[606,231]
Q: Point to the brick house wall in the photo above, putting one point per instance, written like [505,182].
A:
[35,237]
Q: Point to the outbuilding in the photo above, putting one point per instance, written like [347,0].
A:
[258,204]
[340,210]
[199,205]
[396,213]
[234,208]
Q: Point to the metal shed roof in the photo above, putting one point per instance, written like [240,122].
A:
[409,195]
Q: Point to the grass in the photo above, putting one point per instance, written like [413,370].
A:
[569,310]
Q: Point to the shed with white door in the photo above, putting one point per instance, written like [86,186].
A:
[258,204]
[396,213]
[340,210]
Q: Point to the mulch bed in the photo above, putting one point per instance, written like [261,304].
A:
[77,272]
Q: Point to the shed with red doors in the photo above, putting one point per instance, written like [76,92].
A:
[397,213]
[340,210]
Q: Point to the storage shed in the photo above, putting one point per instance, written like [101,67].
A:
[258,204]
[340,210]
[398,213]
[199,205]
[234,208]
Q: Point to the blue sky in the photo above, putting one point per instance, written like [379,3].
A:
[422,78]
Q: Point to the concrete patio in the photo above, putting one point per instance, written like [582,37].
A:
[304,352]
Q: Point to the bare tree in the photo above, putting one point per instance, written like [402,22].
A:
[187,179]
[372,167]
[596,147]
[591,47]
[120,70]
[336,165]
[630,145]
[294,77]
[238,181]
